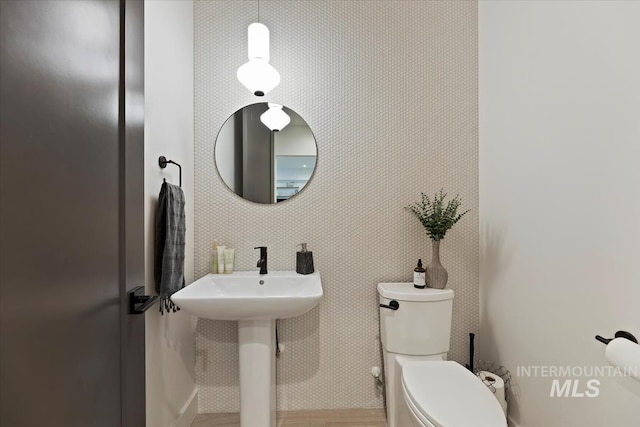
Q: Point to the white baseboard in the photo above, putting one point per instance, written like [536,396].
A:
[189,411]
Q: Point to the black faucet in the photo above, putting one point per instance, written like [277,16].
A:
[262,262]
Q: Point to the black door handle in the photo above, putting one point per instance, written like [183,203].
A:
[139,302]
[393,305]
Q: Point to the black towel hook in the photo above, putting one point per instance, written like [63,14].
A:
[162,161]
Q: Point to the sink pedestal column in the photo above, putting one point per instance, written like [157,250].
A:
[257,340]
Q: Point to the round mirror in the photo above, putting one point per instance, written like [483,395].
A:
[265,153]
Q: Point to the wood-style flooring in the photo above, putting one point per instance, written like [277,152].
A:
[326,418]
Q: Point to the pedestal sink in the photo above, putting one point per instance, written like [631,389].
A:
[255,301]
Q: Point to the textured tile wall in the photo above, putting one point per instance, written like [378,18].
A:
[390,91]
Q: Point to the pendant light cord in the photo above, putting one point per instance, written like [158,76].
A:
[258,10]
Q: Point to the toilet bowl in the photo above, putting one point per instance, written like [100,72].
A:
[422,388]
[445,394]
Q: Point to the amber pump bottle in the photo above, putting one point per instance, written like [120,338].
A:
[419,276]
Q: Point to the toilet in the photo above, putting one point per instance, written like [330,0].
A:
[423,389]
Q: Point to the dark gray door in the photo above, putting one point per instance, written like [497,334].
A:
[257,156]
[70,213]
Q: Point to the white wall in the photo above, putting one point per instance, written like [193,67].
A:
[560,198]
[171,392]
[295,141]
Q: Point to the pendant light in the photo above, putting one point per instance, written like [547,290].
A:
[258,75]
[275,118]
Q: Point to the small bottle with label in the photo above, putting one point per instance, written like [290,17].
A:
[220,250]
[214,259]
[419,276]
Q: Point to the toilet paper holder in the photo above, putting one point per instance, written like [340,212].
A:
[619,334]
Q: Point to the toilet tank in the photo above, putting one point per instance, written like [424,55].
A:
[421,325]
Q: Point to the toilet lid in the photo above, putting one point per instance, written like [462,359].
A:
[448,395]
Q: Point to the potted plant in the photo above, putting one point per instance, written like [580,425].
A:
[437,217]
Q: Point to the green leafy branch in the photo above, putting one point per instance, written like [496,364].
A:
[437,217]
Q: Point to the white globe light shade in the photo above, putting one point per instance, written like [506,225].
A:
[274,118]
[258,76]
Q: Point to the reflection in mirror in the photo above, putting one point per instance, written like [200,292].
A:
[262,165]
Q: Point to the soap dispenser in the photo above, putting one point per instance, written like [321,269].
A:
[304,260]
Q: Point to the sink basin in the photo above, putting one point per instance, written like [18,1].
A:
[255,301]
[246,295]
